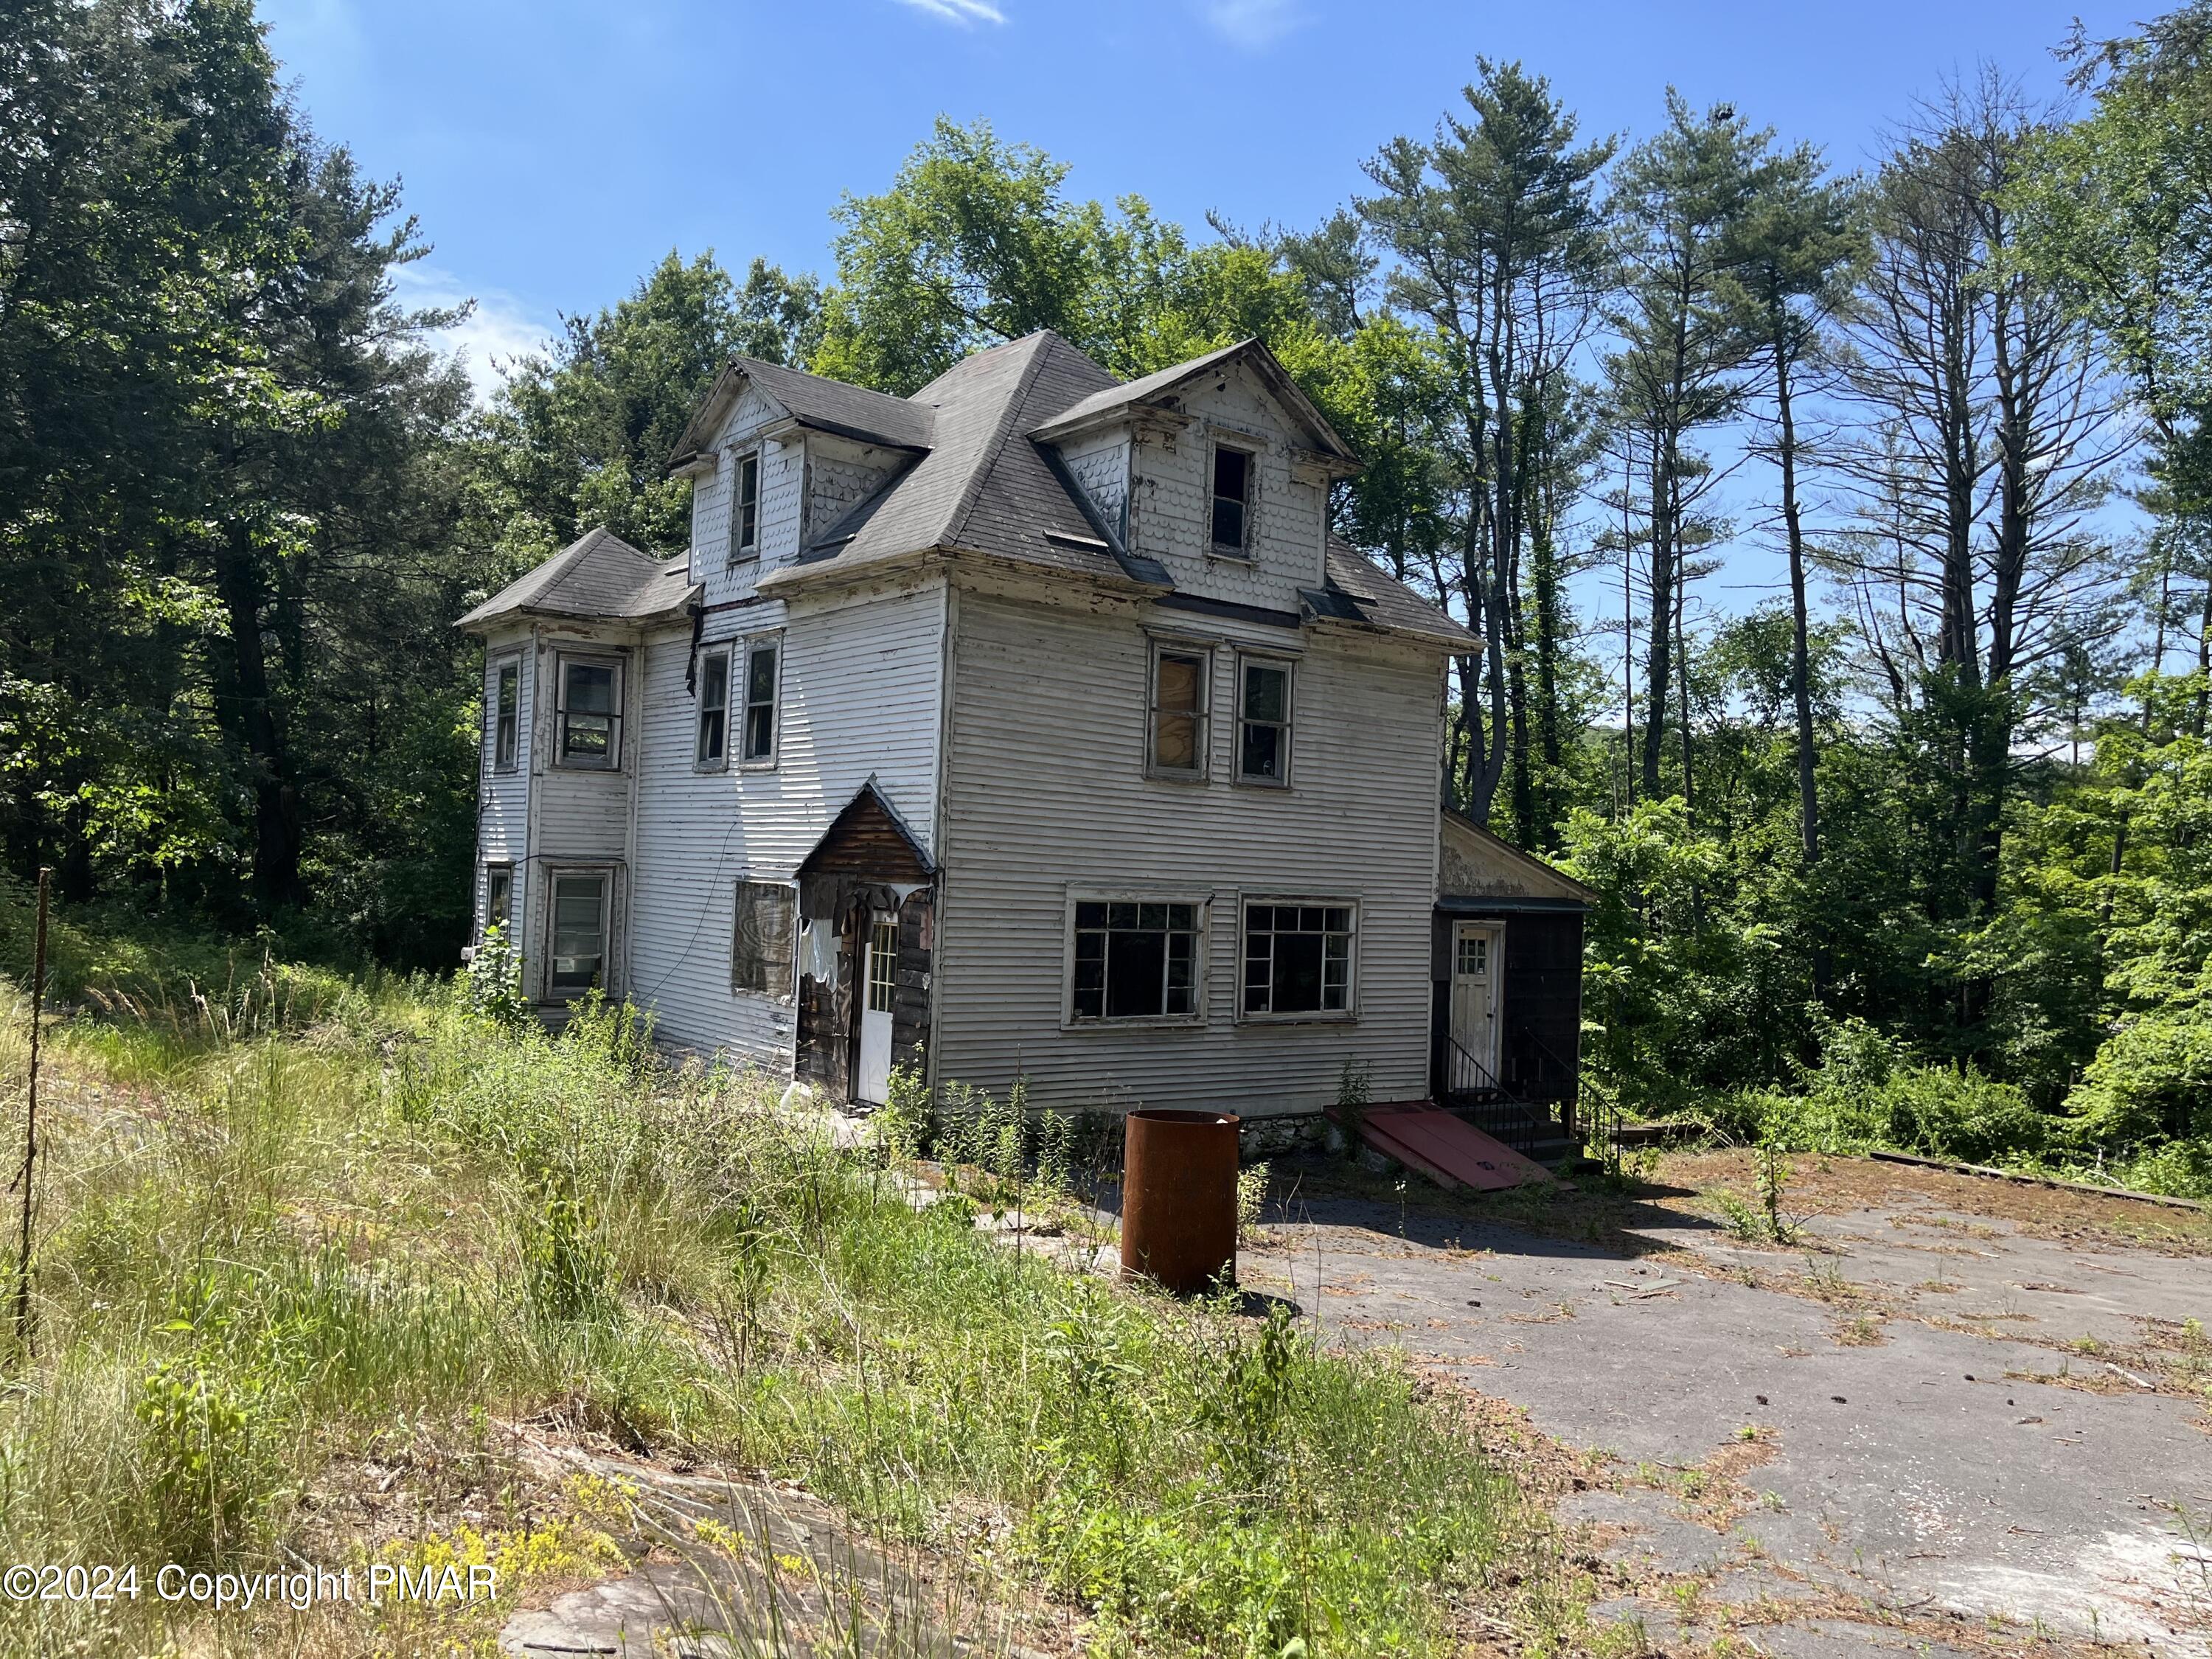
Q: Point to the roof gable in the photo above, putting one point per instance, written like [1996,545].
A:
[868,839]
[1116,402]
[826,406]
[1476,864]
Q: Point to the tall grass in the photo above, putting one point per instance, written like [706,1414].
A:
[277,1234]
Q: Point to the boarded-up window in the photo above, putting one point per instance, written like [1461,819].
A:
[766,937]
[1178,733]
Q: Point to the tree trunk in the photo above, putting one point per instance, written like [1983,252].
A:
[275,807]
[1801,664]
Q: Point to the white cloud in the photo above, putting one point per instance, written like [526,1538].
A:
[965,12]
[500,329]
[1253,24]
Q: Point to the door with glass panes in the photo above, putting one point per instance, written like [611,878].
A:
[879,985]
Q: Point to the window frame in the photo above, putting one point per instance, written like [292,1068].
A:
[497,870]
[1288,723]
[742,688]
[563,662]
[505,723]
[1272,1016]
[605,875]
[745,539]
[1242,547]
[1203,652]
[722,655]
[1201,902]
[789,995]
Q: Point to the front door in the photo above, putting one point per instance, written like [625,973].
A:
[1476,971]
[881,980]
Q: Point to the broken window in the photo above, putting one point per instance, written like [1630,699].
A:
[1178,725]
[591,715]
[499,897]
[1233,497]
[763,658]
[579,935]
[1135,959]
[1298,958]
[507,716]
[1263,722]
[744,507]
[765,939]
[711,751]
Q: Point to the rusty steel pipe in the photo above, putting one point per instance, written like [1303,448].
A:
[1179,1199]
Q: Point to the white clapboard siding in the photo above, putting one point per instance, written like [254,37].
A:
[1172,504]
[1046,791]
[859,697]
[504,813]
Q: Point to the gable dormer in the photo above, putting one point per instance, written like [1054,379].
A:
[1218,468]
[776,456]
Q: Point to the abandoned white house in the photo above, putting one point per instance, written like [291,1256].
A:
[1036,719]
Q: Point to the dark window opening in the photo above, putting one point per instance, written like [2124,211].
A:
[1263,724]
[579,936]
[760,703]
[507,733]
[744,507]
[499,897]
[1135,960]
[588,714]
[713,708]
[1298,958]
[1233,497]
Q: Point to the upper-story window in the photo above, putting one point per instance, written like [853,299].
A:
[711,751]
[1176,742]
[1263,721]
[763,668]
[1232,499]
[507,715]
[744,507]
[590,715]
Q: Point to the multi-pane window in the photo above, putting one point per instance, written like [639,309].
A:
[1178,721]
[883,965]
[762,661]
[499,897]
[579,935]
[590,713]
[711,750]
[1473,955]
[507,716]
[1135,959]
[765,940]
[1263,722]
[1298,958]
[1233,497]
[744,507]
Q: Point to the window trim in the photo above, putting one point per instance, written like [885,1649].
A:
[506,729]
[1201,992]
[1240,549]
[1349,1013]
[554,875]
[1168,646]
[587,659]
[742,688]
[746,550]
[494,870]
[788,996]
[724,654]
[1289,723]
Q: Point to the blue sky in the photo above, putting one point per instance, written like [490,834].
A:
[555,150]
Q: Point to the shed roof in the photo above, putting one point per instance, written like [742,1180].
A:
[599,577]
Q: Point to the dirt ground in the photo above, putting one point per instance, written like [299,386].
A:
[1942,1415]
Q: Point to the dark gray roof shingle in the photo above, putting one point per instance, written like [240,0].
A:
[599,577]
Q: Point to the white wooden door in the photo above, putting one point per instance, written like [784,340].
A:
[880,982]
[1476,971]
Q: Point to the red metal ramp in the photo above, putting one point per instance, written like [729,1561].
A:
[1451,1152]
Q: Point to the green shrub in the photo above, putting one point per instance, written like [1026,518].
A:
[212,1468]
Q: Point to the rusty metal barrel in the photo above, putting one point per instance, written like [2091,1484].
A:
[1179,1199]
